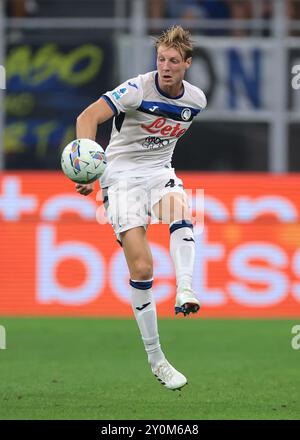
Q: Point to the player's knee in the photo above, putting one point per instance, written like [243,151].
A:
[142,270]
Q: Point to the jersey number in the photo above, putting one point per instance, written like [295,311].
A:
[172,183]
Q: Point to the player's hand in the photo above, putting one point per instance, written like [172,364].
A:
[84,189]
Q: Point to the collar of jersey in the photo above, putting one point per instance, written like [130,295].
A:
[165,94]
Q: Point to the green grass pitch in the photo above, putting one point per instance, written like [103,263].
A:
[73,368]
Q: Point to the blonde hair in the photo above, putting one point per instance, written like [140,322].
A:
[177,38]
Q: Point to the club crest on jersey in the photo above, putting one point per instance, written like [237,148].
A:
[186,114]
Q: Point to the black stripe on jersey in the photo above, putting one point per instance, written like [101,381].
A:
[119,121]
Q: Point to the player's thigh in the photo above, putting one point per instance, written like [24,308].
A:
[126,205]
[137,253]
[171,207]
[169,201]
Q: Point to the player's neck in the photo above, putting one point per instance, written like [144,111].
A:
[172,91]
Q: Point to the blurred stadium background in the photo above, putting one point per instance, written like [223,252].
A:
[56,260]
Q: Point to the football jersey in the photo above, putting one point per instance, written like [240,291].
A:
[147,126]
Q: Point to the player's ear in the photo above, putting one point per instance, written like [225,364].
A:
[188,62]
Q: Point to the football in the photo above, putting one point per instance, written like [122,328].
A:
[83,161]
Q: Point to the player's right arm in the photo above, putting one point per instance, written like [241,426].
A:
[127,96]
[86,128]
[94,115]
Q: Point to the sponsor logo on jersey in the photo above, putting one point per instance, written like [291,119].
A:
[160,126]
[122,91]
[186,114]
[116,95]
[152,109]
[132,85]
[153,143]
[119,93]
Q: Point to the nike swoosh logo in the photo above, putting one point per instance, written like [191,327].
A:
[189,239]
[143,306]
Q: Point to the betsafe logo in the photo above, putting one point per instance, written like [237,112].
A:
[2,77]
[2,338]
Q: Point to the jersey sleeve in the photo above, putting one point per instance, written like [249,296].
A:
[197,98]
[127,96]
[202,100]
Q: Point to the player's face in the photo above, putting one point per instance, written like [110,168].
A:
[171,68]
